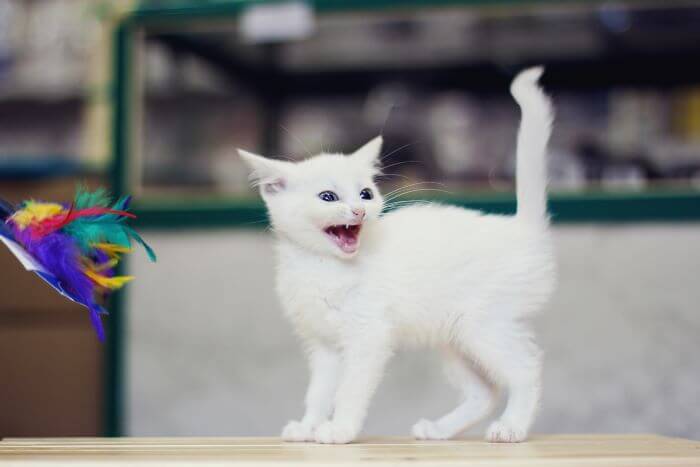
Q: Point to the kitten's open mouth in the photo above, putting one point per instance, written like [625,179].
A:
[345,236]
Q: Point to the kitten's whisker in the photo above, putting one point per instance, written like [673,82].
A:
[298,140]
[398,149]
[412,185]
[386,120]
[393,175]
[399,163]
[408,186]
[324,132]
[397,195]
[260,221]
[406,203]
[420,189]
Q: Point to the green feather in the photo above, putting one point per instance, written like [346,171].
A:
[106,228]
[90,230]
[149,251]
[86,199]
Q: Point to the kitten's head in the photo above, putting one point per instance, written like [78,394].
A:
[321,203]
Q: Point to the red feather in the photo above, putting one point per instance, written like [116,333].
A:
[54,223]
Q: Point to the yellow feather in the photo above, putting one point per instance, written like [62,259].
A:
[36,212]
[100,267]
[112,249]
[115,282]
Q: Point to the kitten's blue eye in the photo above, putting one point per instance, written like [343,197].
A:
[328,196]
[366,194]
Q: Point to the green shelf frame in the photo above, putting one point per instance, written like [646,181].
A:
[590,207]
[207,8]
[654,206]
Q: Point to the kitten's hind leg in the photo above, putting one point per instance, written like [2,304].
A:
[476,394]
[509,355]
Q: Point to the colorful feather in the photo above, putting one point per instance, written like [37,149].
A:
[79,244]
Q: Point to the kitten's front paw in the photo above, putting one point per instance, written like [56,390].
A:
[298,431]
[503,432]
[335,433]
[425,429]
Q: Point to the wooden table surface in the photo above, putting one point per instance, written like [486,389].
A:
[558,450]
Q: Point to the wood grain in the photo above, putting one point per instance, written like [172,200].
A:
[559,450]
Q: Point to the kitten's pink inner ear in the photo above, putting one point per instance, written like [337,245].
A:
[269,173]
[274,186]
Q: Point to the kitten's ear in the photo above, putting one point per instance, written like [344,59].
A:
[369,153]
[271,175]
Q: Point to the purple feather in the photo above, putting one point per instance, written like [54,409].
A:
[99,257]
[97,321]
[59,254]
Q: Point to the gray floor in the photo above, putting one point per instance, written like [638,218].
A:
[209,353]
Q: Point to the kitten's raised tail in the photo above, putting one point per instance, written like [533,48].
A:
[535,129]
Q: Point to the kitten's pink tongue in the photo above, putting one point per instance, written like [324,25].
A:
[345,238]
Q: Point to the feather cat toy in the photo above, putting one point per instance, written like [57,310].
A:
[74,248]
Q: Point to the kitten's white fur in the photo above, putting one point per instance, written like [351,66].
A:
[429,275]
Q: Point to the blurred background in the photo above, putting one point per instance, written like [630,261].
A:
[152,98]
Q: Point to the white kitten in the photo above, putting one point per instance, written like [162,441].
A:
[357,284]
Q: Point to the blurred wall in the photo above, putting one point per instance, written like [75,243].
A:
[210,354]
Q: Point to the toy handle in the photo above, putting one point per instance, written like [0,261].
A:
[6,209]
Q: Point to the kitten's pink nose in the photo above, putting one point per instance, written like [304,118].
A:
[359,212]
